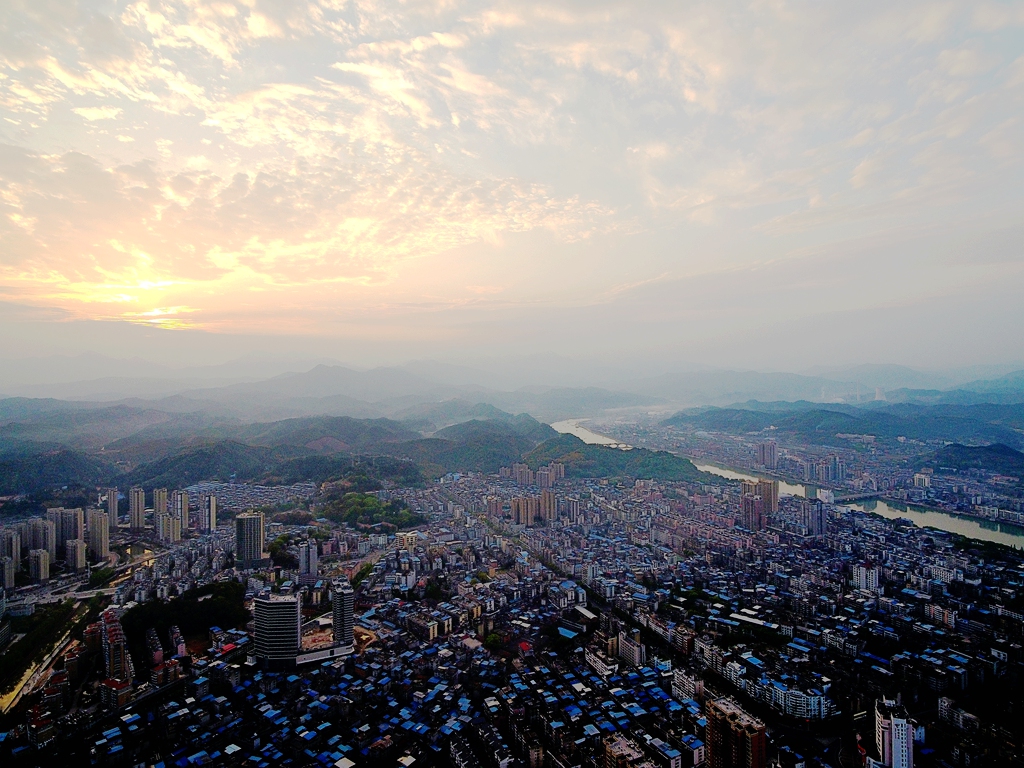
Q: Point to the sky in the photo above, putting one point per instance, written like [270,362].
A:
[770,185]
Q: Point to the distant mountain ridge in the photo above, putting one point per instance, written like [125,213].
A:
[246,392]
[820,424]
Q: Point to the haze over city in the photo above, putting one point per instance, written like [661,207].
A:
[511,385]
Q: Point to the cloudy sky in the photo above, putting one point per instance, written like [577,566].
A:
[766,184]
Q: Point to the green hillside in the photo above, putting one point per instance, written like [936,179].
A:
[584,460]
[326,434]
[476,446]
[996,458]
[209,462]
[364,472]
[34,472]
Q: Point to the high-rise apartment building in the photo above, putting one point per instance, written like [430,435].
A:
[116,659]
[99,535]
[112,494]
[752,514]
[249,538]
[813,517]
[39,564]
[894,734]
[43,536]
[524,510]
[523,475]
[74,555]
[159,501]
[7,571]
[865,577]
[10,545]
[308,558]
[208,512]
[179,508]
[631,649]
[68,525]
[73,524]
[548,505]
[137,508]
[343,605]
[168,528]
[53,516]
[767,454]
[768,490]
[734,738]
[277,621]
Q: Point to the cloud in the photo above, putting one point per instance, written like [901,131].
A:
[97,113]
[227,156]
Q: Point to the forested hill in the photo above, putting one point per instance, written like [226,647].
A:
[143,449]
[996,459]
[585,460]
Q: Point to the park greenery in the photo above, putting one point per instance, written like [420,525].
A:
[364,510]
[215,605]
[362,573]
[100,577]
[40,630]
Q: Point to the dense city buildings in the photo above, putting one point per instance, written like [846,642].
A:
[593,622]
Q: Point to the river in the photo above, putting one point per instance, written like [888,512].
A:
[575,427]
[972,528]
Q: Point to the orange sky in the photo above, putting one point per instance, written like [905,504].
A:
[452,172]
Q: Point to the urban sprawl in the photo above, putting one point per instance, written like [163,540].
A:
[524,618]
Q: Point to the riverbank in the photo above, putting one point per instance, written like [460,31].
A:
[968,526]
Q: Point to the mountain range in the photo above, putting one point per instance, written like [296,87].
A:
[49,447]
[837,424]
[249,390]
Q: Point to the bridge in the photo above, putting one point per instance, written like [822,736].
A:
[859,497]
